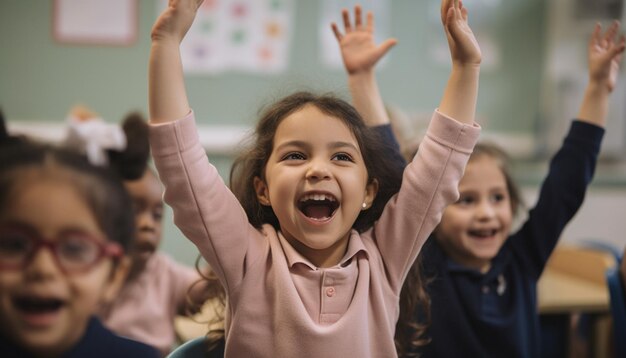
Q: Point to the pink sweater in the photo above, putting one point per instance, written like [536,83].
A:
[146,307]
[279,304]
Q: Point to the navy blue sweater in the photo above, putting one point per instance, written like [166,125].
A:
[98,342]
[495,314]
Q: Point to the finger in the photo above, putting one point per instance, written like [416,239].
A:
[597,32]
[595,38]
[445,6]
[346,20]
[384,47]
[618,50]
[464,13]
[370,22]
[610,33]
[357,17]
[451,26]
[338,34]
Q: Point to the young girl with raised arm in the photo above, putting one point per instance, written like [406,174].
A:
[313,254]
[65,226]
[483,279]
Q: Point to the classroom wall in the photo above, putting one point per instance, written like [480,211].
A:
[41,79]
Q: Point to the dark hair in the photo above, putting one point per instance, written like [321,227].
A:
[3,128]
[251,163]
[101,188]
[502,160]
[132,162]
[414,317]
[6,138]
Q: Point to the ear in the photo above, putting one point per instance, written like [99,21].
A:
[262,193]
[370,193]
[116,280]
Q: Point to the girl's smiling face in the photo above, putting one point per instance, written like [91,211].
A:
[316,183]
[42,308]
[473,229]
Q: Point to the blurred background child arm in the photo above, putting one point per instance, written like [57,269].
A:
[360,54]
[604,55]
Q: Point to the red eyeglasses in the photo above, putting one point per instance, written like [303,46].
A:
[74,251]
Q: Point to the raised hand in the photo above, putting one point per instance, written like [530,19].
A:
[175,21]
[464,48]
[605,54]
[358,49]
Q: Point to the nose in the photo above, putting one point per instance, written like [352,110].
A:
[485,210]
[318,170]
[43,264]
[145,221]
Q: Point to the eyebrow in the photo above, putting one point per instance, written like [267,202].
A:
[303,144]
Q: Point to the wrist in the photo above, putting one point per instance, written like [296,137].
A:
[362,79]
[598,86]
[468,67]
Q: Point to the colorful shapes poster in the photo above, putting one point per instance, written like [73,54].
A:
[238,35]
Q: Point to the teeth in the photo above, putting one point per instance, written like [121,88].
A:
[317,197]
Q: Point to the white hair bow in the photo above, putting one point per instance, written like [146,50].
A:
[94,137]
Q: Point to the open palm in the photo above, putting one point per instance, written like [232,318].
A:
[605,54]
[358,49]
[464,47]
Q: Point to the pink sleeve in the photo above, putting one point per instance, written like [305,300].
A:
[204,208]
[429,184]
[181,277]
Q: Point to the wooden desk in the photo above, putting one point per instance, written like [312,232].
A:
[572,283]
[559,292]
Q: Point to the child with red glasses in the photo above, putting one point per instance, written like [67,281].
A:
[65,226]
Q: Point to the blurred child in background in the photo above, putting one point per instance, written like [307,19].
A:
[483,280]
[157,288]
[65,228]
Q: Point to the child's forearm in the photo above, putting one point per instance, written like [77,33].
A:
[461,92]
[166,84]
[366,98]
[595,105]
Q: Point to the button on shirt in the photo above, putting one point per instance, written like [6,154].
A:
[336,284]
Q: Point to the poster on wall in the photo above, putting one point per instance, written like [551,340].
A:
[238,35]
[95,22]
[331,12]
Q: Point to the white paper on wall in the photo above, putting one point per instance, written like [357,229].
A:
[112,22]
[245,35]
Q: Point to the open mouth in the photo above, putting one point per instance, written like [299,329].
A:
[318,207]
[145,247]
[38,305]
[482,234]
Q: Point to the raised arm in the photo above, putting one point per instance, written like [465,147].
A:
[604,55]
[166,84]
[360,54]
[461,92]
